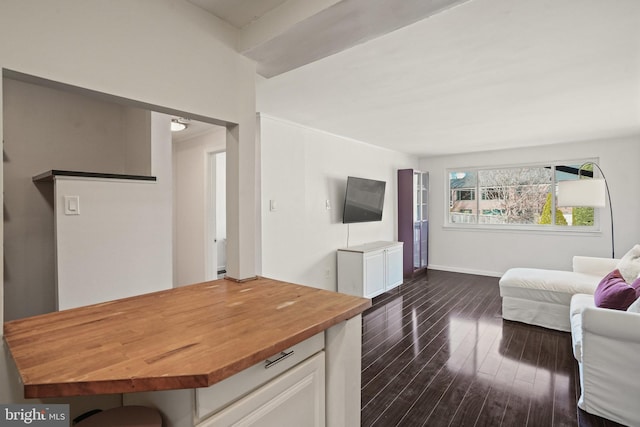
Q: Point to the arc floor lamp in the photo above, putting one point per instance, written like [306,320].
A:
[588,193]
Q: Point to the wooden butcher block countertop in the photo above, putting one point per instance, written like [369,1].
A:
[188,337]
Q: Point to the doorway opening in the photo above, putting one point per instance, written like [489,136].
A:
[216,256]
[199,165]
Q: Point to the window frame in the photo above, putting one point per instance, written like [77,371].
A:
[540,228]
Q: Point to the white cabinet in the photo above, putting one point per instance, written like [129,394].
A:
[210,400]
[289,387]
[370,269]
[317,385]
[295,398]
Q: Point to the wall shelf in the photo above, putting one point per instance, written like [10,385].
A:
[50,175]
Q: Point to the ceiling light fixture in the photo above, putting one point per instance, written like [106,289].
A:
[179,124]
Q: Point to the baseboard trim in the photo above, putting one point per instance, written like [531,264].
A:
[465,270]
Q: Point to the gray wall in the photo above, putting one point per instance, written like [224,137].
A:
[49,129]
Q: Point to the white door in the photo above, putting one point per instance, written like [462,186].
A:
[216,218]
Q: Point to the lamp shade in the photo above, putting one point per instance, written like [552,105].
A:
[582,192]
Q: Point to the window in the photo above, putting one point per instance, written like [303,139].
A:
[523,196]
[465,195]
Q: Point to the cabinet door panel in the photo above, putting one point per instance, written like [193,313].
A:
[295,398]
[394,267]
[212,399]
[374,281]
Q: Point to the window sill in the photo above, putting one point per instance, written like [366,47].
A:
[549,230]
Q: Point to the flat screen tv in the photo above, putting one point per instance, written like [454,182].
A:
[363,200]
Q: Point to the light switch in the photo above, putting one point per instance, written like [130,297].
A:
[327,204]
[72,205]
[273,206]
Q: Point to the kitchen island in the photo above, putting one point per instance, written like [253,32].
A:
[191,338]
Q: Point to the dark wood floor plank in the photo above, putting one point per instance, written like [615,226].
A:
[394,355]
[473,402]
[467,391]
[464,373]
[411,374]
[379,392]
[436,352]
[517,410]
[462,339]
[541,408]
[415,294]
[511,344]
[395,321]
[566,382]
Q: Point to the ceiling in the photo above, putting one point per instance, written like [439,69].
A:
[482,75]
[238,13]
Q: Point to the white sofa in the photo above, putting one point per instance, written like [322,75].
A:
[606,344]
[542,297]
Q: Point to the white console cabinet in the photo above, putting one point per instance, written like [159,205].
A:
[370,269]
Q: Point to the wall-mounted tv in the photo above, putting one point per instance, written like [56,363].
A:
[363,200]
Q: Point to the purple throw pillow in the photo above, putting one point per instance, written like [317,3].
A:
[613,292]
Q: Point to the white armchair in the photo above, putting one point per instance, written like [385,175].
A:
[606,344]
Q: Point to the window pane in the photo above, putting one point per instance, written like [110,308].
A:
[462,197]
[514,195]
[519,195]
[575,216]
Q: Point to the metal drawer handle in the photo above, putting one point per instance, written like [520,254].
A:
[283,355]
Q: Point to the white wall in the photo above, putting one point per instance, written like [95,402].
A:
[493,252]
[301,169]
[119,246]
[190,159]
[138,52]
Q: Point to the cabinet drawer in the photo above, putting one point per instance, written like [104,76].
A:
[219,395]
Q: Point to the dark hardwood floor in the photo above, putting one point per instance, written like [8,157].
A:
[436,352]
